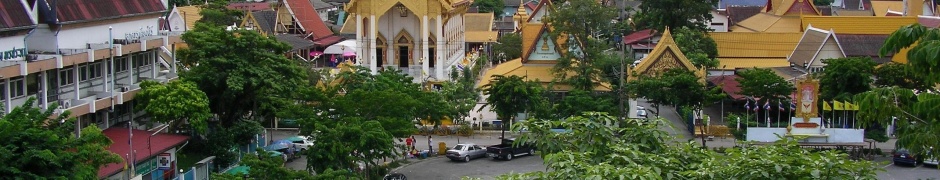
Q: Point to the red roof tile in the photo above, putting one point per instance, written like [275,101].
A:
[306,15]
[88,10]
[639,35]
[729,84]
[249,6]
[145,149]
[13,14]
[327,41]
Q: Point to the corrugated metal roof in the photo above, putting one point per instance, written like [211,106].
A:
[738,63]
[847,12]
[881,8]
[249,6]
[530,36]
[13,14]
[478,21]
[639,35]
[764,22]
[541,73]
[755,45]
[266,20]
[858,24]
[69,11]
[190,15]
[295,41]
[481,36]
[809,45]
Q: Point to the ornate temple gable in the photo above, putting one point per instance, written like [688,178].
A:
[417,7]
[540,11]
[666,55]
[545,49]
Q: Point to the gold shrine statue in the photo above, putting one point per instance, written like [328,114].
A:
[807,96]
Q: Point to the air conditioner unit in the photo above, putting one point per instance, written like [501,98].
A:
[65,104]
[125,88]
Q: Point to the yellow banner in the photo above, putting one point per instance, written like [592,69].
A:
[851,107]
[826,106]
[836,105]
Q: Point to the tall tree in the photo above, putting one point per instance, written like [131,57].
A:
[915,116]
[493,6]
[245,73]
[700,48]
[508,95]
[659,14]
[260,167]
[580,24]
[925,47]
[901,75]
[598,146]
[765,84]
[174,103]
[508,47]
[577,102]
[36,146]
[845,77]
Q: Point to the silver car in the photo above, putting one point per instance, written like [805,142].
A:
[466,152]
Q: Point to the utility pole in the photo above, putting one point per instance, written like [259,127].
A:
[620,92]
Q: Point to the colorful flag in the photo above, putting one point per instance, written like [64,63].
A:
[756,106]
[792,105]
[747,105]
[836,105]
[767,105]
[826,106]
[780,105]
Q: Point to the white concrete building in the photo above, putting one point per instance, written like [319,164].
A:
[422,38]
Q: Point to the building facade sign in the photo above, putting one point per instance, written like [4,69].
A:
[139,33]
[13,54]
[147,166]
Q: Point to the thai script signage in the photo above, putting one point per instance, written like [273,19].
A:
[137,34]
[14,54]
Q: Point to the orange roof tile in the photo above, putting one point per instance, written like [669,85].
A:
[305,15]
[858,24]
[755,45]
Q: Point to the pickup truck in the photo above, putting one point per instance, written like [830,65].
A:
[507,151]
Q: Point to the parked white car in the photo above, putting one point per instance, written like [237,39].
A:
[301,141]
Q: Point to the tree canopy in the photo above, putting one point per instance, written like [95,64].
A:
[596,146]
[508,48]
[900,75]
[175,102]
[36,146]
[582,24]
[494,6]
[508,95]
[925,49]
[765,84]
[661,89]
[845,77]
[659,14]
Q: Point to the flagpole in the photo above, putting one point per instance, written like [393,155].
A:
[779,108]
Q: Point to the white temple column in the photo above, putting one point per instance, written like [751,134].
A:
[373,64]
[440,48]
[8,104]
[425,66]
[44,88]
[360,41]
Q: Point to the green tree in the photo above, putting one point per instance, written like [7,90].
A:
[765,84]
[925,47]
[596,146]
[915,115]
[36,146]
[216,13]
[845,77]
[581,25]
[273,168]
[174,103]
[659,14]
[494,6]
[508,95]
[700,48]
[660,90]
[508,47]
[243,72]
[577,102]
[901,75]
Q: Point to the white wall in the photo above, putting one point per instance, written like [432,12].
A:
[716,19]
[537,17]
[390,24]
[176,22]
[829,50]
[80,37]
[11,43]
